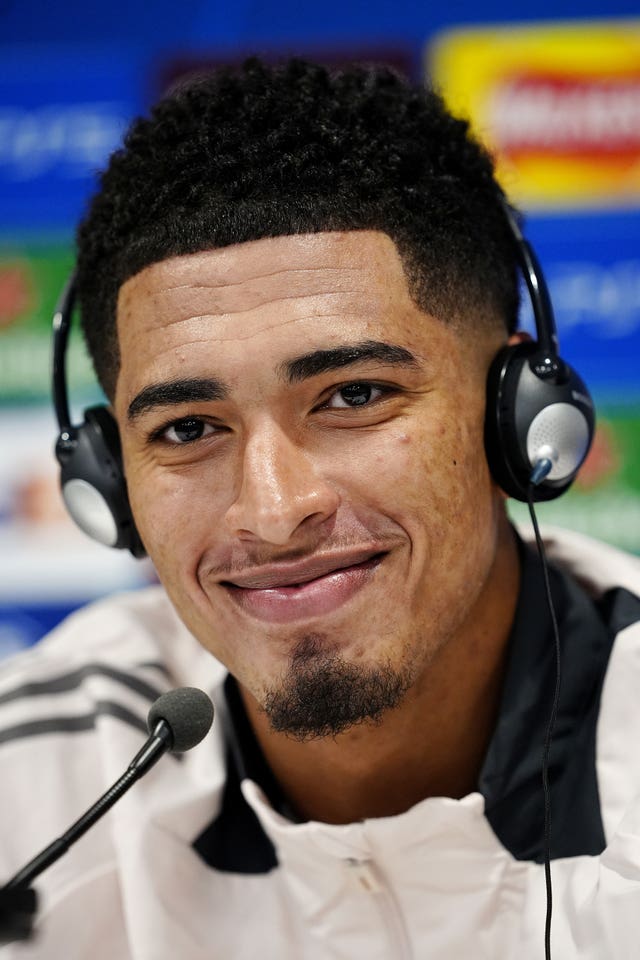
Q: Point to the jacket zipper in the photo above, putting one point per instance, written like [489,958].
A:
[368,877]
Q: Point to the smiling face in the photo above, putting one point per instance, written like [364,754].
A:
[304,456]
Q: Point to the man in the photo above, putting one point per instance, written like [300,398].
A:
[292,286]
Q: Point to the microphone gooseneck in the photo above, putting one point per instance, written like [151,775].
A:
[178,720]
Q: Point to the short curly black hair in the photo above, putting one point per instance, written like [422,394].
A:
[257,151]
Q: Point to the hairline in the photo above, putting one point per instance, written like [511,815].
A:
[457,322]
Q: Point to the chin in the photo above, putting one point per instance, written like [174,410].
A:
[323,695]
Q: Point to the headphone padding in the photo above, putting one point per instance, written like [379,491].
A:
[93,483]
[528,413]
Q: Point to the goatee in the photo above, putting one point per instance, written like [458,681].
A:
[323,695]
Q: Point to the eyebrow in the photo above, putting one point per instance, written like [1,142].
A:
[321,361]
[187,390]
[197,389]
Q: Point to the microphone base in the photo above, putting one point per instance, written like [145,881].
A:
[17,914]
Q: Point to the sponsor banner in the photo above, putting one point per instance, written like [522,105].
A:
[559,103]
[32,274]
[62,113]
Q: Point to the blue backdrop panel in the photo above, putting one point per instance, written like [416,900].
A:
[592,264]
[62,112]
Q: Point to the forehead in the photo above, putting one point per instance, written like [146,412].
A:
[262,299]
[238,278]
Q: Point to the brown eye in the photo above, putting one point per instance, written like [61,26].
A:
[185,431]
[354,395]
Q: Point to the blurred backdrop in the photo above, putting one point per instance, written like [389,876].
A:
[556,94]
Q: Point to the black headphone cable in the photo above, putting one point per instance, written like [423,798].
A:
[538,474]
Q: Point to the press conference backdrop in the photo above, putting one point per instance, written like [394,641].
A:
[556,96]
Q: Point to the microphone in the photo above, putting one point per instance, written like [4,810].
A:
[177,721]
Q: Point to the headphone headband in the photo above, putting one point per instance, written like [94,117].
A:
[546,332]
[92,479]
[61,327]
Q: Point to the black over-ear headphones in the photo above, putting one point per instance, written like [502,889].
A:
[93,485]
[538,411]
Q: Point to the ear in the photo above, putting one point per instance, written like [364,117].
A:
[520,336]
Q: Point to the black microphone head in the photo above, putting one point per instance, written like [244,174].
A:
[189,713]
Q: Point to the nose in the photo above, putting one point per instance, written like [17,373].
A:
[281,489]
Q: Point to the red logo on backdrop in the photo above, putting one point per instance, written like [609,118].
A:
[16,292]
[591,118]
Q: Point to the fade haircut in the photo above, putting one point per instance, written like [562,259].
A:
[258,151]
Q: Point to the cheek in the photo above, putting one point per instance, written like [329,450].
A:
[170,514]
[441,464]
[428,474]
[444,495]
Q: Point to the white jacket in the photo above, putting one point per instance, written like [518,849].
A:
[434,882]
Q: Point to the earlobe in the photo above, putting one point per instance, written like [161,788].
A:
[520,336]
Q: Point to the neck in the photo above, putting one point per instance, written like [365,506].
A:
[432,744]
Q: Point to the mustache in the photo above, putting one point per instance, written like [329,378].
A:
[237,559]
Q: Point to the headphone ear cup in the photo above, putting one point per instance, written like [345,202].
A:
[530,417]
[93,484]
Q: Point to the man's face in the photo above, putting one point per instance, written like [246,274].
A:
[304,455]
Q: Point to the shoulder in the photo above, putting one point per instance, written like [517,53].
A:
[596,565]
[124,624]
[112,659]
[612,578]
[73,710]
[136,634]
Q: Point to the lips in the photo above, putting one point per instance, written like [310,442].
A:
[283,593]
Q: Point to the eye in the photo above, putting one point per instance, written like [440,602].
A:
[185,431]
[354,395]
